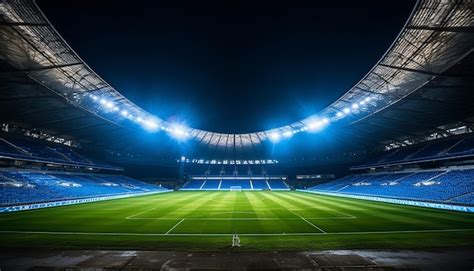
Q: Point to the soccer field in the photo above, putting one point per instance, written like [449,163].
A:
[265,220]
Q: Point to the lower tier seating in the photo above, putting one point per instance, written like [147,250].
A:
[226,184]
[24,187]
[453,186]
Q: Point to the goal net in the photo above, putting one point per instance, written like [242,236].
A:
[235,188]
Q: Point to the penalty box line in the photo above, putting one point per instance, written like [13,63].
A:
[305,220]
[175,225]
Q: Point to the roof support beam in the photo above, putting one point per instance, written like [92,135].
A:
[42,68]
[22,24]
[456,29]
[421,71]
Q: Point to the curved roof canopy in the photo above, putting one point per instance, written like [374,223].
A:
[436,37]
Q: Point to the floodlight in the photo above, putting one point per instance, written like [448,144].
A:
[367,99]
[150,125]
[288,133]
[109,104]
[93,97]
[317,124]
[178,131]
[314,125]
[339,114]
[124,113]
[355,106]
[275,137]
[346,110]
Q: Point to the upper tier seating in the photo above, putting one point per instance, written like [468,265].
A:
[21,149]
[447,148]
[23,187]
[456,186]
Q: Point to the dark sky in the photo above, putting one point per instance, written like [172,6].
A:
[235,68]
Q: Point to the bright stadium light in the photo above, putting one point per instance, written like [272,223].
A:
[355,106]
[93,97]
[124,113]
[103,101]
[317,124]
[288,133]
[367,99]
[275,137]
[339,114]
[179,131]
[150,125]
[346,110]
[109,104]
[362,102]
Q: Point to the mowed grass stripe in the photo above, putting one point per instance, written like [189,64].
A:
[237,212]
[254,205]
[395,220]
[287,207]
[396,217]
[425,213]
[198,210]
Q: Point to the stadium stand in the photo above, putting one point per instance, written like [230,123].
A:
[26,187]
[22,149]
[225,183]
[448,148]
[193,185]
[260,185]
[211,185]
[454,185]
[277,185]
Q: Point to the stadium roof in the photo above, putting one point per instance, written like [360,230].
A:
[424,80]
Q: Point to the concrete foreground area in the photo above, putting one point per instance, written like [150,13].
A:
[434,259]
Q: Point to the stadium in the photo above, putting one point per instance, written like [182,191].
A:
[378,175]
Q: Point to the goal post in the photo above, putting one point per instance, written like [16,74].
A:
[235,188]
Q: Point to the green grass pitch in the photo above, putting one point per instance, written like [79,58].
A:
[206,220]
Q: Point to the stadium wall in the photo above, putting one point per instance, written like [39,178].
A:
[451,207]
[33,206]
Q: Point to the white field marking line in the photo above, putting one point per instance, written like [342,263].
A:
[240,218]
[230,234]
[304,219]
[131,216]
[176,225]
[346,215]
[216,213]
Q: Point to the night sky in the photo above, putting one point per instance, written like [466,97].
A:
[235,68]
